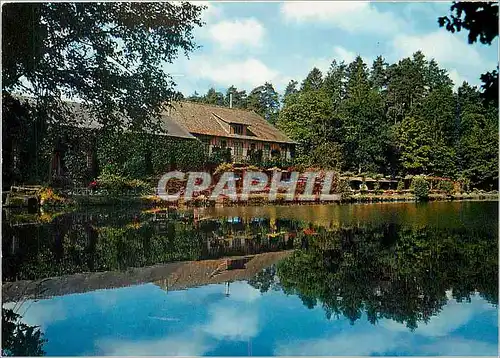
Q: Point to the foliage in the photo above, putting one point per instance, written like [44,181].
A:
[117,185]
[306,120]
[481,20]
[220,155]
[109,55]
[396,119]
[446,186]
[50,197]
[420,187]
[401,186]
[19,339]
[327,156]
[141,156]
[390,271]
[224,167]
[313,81]
[265,101]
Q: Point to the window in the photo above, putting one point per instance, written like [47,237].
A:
[206,144]
[237,129]
[266,152]
[89,159]
[238,150]
[283,151]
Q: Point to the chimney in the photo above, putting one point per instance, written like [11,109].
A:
[230,100]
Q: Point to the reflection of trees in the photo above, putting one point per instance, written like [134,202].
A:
[265,279]
[103,241]
[391,272]
[19,339]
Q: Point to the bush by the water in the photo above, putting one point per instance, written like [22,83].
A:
[116,184]
[446,186]
[401,186]
[420,188]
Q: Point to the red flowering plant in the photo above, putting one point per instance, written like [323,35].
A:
[93,185]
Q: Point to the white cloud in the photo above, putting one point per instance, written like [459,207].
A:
[232,323]
[456,78]
[462,347]
[210,12]
[40,313]
[446,48]
[342,54]
[453,316]
[229,34]
[184,345]
[247,73]
[347,344]
[243,292]
[350,16]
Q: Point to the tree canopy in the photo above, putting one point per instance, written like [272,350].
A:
[108,55]
[481,20]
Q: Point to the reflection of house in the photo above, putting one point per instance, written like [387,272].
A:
[200,273]
[175,276]
[244,132]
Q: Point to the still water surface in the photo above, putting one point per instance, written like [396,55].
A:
[380,279]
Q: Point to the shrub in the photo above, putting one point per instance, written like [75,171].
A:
[446,186]
[224,167]
[420,188]
[117,184]
[401,186]
[140,186]
[344,189]
[49,197]
[363,188]
[327,156]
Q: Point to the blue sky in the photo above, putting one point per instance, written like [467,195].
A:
[146,320]
[248,43]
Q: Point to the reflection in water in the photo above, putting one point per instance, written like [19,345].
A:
[83,242]
[18,338]
[391,271]
[386,268]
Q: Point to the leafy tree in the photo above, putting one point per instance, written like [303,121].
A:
[481,20]
[290,91]
[420,187]
[213,97]
[239,97]
[19,339]
[195,97]
[328,155]
[307,120]
[378,74]
[334,83]
[313,81]
[477,147]
[363,121]
[406,86]
[265,101]
[109,55]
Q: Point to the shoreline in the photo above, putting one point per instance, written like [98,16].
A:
[254,200]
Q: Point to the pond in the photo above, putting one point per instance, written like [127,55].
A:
[375,279]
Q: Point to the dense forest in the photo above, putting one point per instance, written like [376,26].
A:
[394,119]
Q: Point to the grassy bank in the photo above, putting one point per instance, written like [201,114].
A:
[74,201]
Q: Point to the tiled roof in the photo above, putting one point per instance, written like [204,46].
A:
[210,120]
[85,119]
